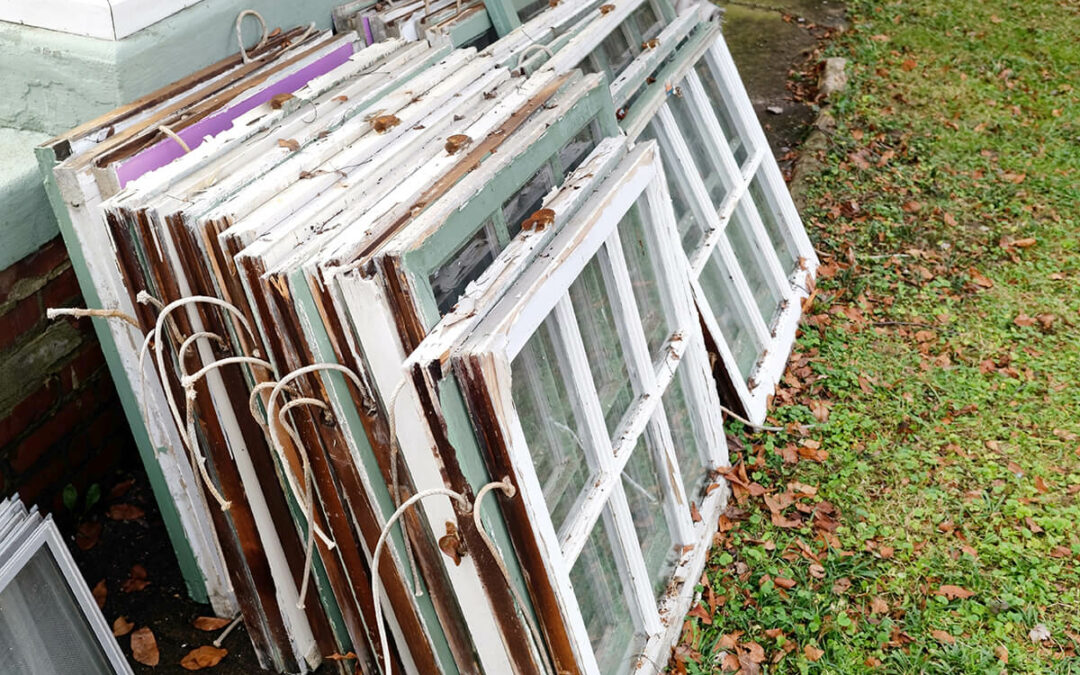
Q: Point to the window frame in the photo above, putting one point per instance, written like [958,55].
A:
[45,537]
[481,361]
[774,334]
[419,251]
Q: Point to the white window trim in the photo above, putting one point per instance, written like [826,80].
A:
[754,389]
[488,351]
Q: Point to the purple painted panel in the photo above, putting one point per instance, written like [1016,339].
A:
[163,152]
[368,37]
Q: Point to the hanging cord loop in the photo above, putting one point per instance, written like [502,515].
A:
[273,412]
[240,33]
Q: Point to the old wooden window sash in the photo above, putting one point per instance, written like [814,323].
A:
[546,30]
[265,261]
[609,40]
[44,599]
[472,107]
[291,175]
[605,349]
[510,143]
[316,101]
[751,258]
[551,145]
[72,162]
[436,260]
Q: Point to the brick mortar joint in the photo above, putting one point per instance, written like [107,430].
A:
[26,287]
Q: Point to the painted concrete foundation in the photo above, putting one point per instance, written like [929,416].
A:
[54,81]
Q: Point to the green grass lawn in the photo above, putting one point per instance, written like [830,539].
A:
[929,519]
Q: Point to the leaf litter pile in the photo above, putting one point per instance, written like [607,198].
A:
[916,507]
[121,546]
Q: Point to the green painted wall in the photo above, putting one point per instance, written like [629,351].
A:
[54,81]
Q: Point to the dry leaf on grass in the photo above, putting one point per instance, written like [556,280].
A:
[210,623]
[1040,633]
[203,657]
[144,647]
[942,636]
[700,612]
[813,653]
[954,592]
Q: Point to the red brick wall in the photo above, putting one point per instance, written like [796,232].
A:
[60,419]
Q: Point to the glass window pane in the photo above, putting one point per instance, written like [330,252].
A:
[752,261]
[719,289]
[577,149]
[691,231]
[685,435]
[642,486]
[619,52]
[543,399]
[600,590]
[603,345]
[649,24]
[42,628]
[531,9]
[688,119]
[528,199]
[449,281]
[774,225]
[736,137]
[653,310]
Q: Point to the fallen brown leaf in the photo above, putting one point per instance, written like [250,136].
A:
[210,623]
[879,606]
[289,143]
[121,626]
[87,535]
[813,653]
[954,592]
[136,581]
[144,647]
[121,488]
[206,656]
[100,592]
[942,636]
[1002,653]
[700,612]
[125,512]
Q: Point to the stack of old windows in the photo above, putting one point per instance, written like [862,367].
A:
[390,293]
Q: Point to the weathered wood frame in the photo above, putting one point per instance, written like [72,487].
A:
[454,218]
